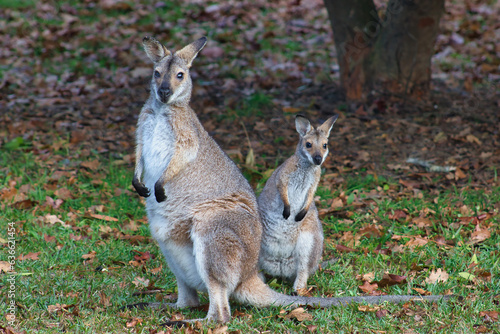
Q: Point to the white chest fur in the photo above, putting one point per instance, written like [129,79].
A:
[158,147]
[298,186]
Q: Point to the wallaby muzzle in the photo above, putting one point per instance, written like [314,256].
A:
[164,92]
[318,159]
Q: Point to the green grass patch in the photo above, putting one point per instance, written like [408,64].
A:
[17,4]
[84,254]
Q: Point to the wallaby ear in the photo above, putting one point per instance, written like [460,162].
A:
[327,126]
[189,52]
[154,49]
[302,125]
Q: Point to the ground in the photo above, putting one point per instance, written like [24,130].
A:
[400,174]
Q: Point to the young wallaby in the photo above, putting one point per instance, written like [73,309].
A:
[292,238]
[203,214]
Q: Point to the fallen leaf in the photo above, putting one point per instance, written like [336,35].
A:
[342,248]
[291,110]
[24,204]
[29,256]
[49,238]
[103,299]
[367,287]
[90,255]
[55,204]
[103,217]
[133,322]
[221,329]
[5,266]
[299,313]
[369,308]
[366,277]
[489,316]
[381,313]
[416,241]
[92,164]
[391,279]
[155,271]
[437,276]
[479,235]
[422,291]
[140,282]
[63,193]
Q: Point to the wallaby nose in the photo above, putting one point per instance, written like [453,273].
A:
[318,159]
[164,93]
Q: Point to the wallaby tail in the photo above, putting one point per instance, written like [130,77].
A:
[255,292]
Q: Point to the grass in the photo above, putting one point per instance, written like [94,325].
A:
[93,290]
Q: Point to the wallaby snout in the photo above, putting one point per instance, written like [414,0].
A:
[318,159]
[164,92]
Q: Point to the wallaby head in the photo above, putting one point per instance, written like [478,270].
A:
[171,82]
[313,143]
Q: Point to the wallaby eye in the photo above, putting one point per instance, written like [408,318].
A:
[309,145]
[180,75]
[157,74]
[324,146]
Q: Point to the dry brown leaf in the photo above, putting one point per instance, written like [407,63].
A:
[417,241]
[90,255]
[29,256]
[342,248]
[381,313]
[291,110]
[63,193]
[479,234]
[299,313]
[437,276]
[103,217]
[155,271]
[369,308]
[391,279]
[221,329]
[422,291]
[5,266]
[367,287]
[141,282]
[133,322]
[103,299]
[92,164]
[49,238]
[489,316]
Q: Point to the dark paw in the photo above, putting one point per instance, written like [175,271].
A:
[286,211]
[140,188]
[159,192]
[300,215]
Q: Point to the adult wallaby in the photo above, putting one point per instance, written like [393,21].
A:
[204,213]
[292,238]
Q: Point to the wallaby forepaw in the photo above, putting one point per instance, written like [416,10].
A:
[140,188]
[300,215]
[286,211]
[160,192]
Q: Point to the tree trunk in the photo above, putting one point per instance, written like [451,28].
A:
[393,53]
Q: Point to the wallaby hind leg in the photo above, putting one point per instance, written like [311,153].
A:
[219,256]
[186,296]
[304,254]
